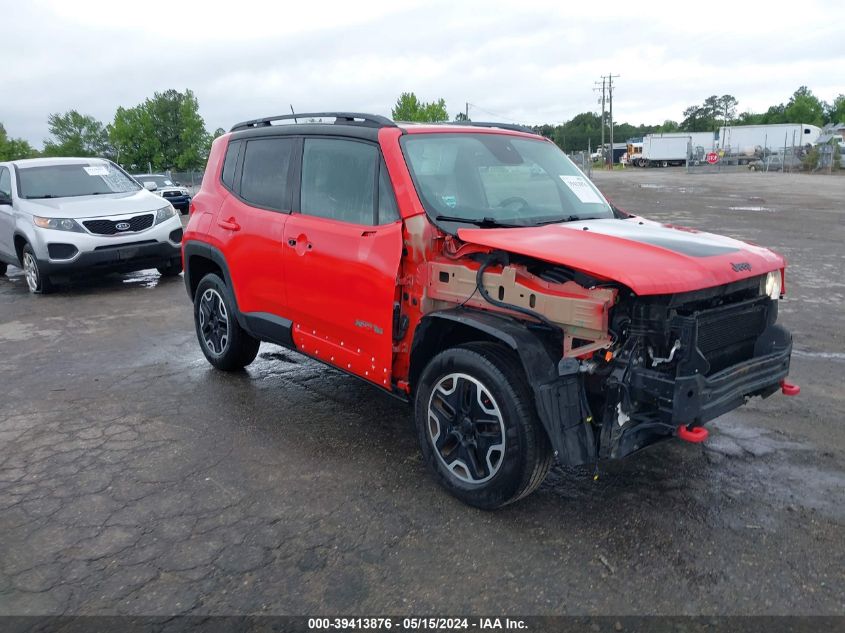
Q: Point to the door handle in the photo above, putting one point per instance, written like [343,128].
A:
[229,225]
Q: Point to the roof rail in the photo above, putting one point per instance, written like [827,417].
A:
[341,118]
[505,126]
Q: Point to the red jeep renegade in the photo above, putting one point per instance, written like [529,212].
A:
[474,271]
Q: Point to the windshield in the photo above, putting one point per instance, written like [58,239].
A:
[493,179]
[160,181]
[70,180]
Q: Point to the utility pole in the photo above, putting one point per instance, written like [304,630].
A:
[602,109]
[609,78]
[466,110]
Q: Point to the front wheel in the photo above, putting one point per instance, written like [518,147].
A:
[172,269]
[478,428]
[36,280]
[223,342]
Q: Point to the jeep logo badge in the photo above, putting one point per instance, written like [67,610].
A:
[122,226]
[740,266]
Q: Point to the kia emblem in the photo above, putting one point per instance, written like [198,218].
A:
[122,226]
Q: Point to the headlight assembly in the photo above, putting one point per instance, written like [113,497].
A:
[165,213]
[57,224]
[773,285]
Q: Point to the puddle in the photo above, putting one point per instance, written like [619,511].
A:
[763,209]
[837,356]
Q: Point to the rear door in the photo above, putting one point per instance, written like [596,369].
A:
[251,222]
[342,255]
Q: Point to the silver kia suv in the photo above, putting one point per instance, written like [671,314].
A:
[65,216]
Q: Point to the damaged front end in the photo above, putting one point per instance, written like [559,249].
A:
[686,359]
[612,371]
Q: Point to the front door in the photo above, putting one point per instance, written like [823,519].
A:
[7,217]
[343,251]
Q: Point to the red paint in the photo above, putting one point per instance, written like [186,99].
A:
[694,434]
[338,282]
[644,268]
[712,158]
[788,389]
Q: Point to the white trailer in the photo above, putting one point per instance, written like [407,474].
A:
[662,150]
[749,141]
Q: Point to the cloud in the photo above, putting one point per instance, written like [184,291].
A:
[530,62]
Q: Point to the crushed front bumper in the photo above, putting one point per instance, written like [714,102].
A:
[689,398]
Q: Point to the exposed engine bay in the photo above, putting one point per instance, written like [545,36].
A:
[630,370]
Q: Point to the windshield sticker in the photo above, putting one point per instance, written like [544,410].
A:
[450,201]
[581,188]
[97,170]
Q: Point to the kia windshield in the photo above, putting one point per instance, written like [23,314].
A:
[73,179]
[492,180]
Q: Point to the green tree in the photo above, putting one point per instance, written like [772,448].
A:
[14,148]
[836,111]
[165,132]
[462,116]
[704,117]
[727,108]
[75,134]
[804,107]
[669,126]
[409,108]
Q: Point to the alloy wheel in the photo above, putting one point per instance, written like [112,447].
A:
[30,269]
[466,428]
[214,321]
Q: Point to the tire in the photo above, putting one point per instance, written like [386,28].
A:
[225,344]
[172,269]
[497,389]
[36,281]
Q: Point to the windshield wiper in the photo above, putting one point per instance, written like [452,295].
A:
[484,223]
[568,218]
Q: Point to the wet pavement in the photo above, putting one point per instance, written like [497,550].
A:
[136,479]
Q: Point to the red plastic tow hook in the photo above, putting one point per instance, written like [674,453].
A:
[789,389]
[693,434]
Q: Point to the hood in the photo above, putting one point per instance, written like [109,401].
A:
[93,206]
[647,257]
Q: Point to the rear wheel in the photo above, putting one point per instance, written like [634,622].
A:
[225,344]
[36,280]
[478,427]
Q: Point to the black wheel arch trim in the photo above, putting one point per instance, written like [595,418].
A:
[557,384]
[261,325]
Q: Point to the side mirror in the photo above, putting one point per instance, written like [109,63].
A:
[150,185]
[177,184]
[5,198]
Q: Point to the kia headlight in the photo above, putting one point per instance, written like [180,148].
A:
[165,213]
[773,285]
[57,224]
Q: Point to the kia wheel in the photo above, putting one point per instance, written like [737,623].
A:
[36,281]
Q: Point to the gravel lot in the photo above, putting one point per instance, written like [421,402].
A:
[134,479]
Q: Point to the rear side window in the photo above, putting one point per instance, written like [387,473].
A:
[339,180]
[264,179]
[5,181]
[387,210]
[229,164]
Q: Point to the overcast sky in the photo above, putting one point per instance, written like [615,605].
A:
[528,62]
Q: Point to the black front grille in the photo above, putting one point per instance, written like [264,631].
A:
[109,227]
[727,337]
[171,194]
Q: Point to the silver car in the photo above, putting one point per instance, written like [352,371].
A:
[64,216]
